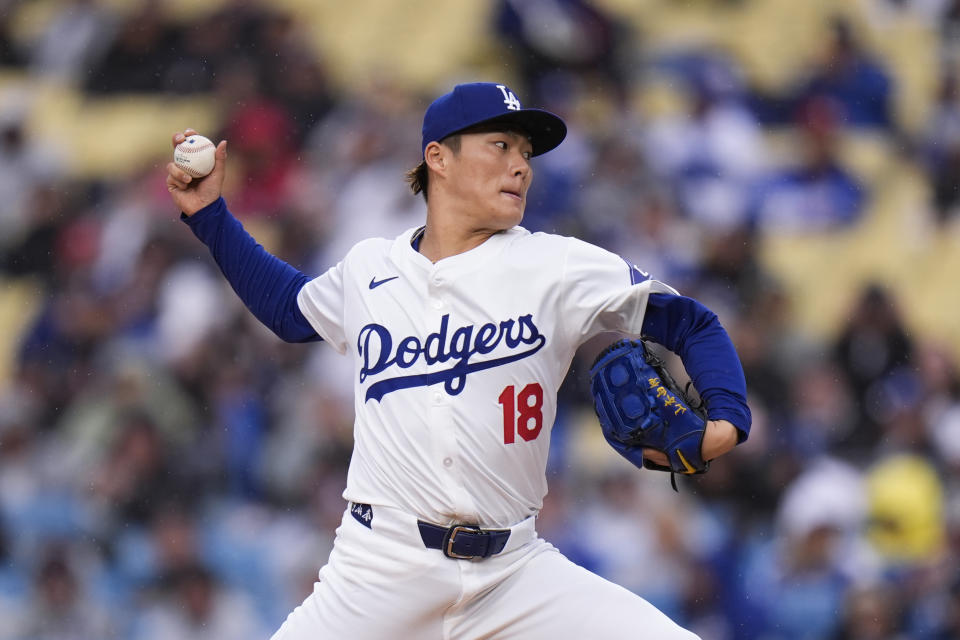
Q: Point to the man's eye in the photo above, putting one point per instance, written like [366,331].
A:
[501,144]
[527,155]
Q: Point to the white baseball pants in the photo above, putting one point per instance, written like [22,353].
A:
[382,583]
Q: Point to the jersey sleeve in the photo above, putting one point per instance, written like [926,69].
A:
[603,292]
[322,302]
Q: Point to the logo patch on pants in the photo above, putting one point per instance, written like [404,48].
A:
[362,513]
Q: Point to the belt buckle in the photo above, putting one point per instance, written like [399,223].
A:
[451,537]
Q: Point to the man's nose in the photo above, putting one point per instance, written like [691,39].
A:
[521,166]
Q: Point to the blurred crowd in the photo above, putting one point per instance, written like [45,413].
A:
[170,469]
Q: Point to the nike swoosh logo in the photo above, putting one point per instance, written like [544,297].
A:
[374,283]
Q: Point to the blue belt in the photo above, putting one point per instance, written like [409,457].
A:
[463,541]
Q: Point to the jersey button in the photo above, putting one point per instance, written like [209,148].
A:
[437,397]
[447,462]
[436,303]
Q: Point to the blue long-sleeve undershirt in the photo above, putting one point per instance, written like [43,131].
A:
[269,286]
[693,332]
[266,284]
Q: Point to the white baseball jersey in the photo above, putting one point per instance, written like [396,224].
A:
[457,364]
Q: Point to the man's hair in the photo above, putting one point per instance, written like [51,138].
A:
[419,177]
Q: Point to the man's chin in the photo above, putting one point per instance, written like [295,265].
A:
[503,218]
[510,223]
[514,216]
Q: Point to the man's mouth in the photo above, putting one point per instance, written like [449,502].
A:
[515,194]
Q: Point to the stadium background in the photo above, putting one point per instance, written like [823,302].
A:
[168,469]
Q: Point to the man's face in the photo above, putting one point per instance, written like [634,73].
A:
[490,177]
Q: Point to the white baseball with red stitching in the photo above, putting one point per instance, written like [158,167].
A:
[196,155]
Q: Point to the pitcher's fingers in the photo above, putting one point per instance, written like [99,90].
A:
[180,136]
[175,185]
[177,176]
[178,173]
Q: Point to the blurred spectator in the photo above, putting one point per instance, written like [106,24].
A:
[356,150]
[60,608]
[310,437]
[731,276]
[203,47]
[28,169]
[941,149]
[823,412]
[905,501]
[633,542]
[944,434]
[793,583]
[847,76]
[173,536]
[131,408]
[622,183]
[557,523]
[852,77]
[240,422]
[933,589]
[634,215]
[714,151]
[914,528]
[137,475]
[188,303]
[261,135]
[144,553]
[74,40]
[940,378]
[949,628]
[301,85]
[23,481]
[292,71]
[194,606]
[10,50]
[818,195]
[48,211]
[702,608]
[136,60]
[873,345]
[950,31]
[554,38]
[773,351]
[872,612]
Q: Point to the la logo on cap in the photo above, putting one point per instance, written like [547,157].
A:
[475,103]
[509,99]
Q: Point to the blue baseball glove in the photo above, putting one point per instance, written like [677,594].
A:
[640,406]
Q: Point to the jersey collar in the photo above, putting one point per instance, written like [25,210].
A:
[403,252]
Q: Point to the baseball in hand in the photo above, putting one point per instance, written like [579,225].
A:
[196,155]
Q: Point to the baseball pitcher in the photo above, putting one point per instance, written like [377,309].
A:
[460,332]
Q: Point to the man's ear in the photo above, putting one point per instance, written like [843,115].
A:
[435,155]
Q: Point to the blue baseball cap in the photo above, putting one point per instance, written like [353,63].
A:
[487,102]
